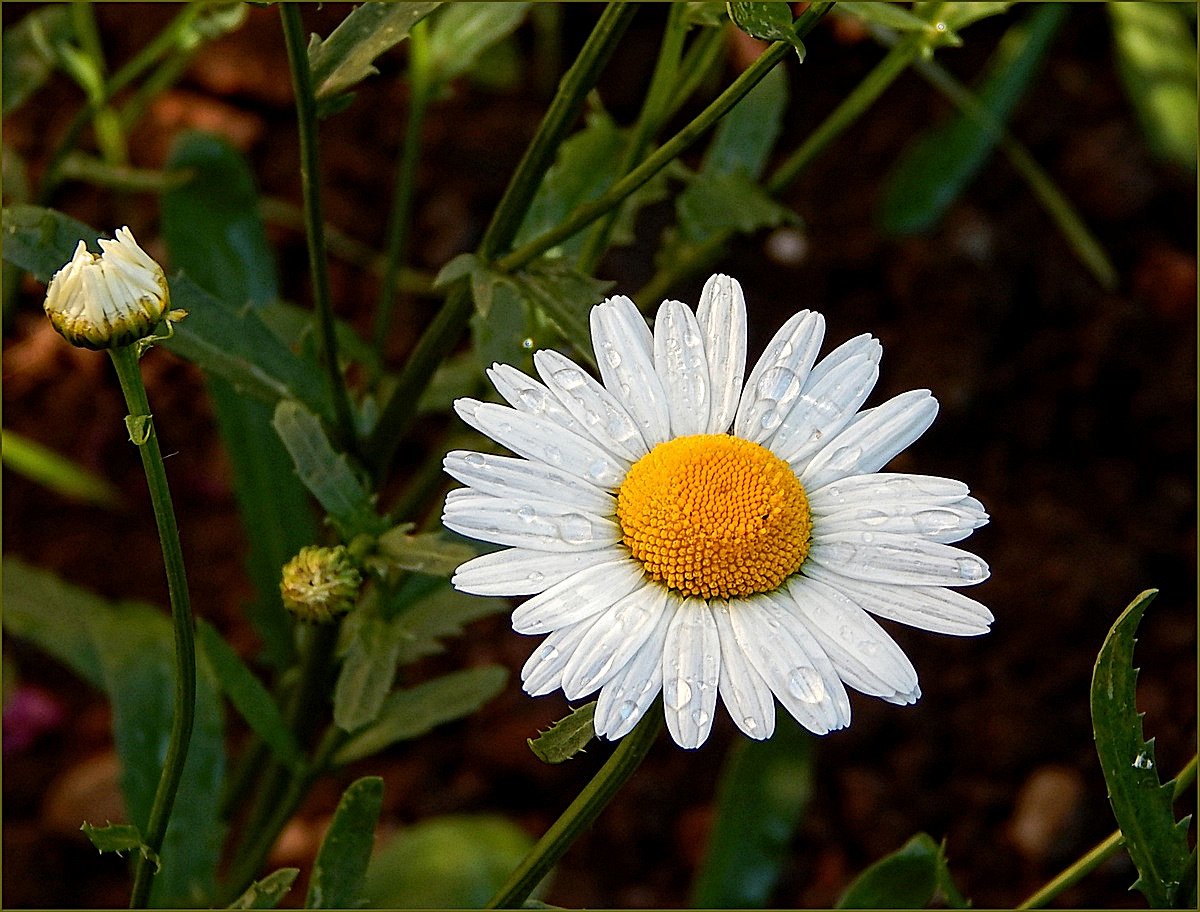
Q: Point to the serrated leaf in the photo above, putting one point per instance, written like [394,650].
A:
[436,614]
[370,651]
[763,793]
[566,296]
[715,203]
[1156,59]
[771,21]
[451,862]
[415,710]
[120,838]
[326,472]
[566,737]
[427,552]
[56,472]
[248,695]
[341,864]
[906,879]
[266,893]
[28,57]
[937,166]
[460,32]
[1141,804]
[344,59]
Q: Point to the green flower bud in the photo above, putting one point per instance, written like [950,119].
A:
[110,300]
[318,584]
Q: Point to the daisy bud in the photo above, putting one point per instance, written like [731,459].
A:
[110,300]
[319,584]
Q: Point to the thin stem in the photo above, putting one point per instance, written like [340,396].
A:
[446,328]
[310,180]
[697,66]
[141,426]
[1099,853]
[420,94]
[580,815]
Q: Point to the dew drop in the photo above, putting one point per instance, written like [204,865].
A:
[625,710]
[676,693]
[611,355]
[969,569]
[867,538]
[750,723]
[933,521]
[1143,762]
[475,459]
[554,454]
[533,399]
[569,378]
[598,470]
[872,517]
[527,344]
[700,717]
[547,653]
[575,529]
[527,513]
[535,576]
[805,684]
[845,457]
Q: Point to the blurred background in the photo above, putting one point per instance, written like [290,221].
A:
[1069,408]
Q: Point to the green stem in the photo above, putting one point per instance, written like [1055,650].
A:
[141,426]
[420,94]
[441,335]
[697,66]
[580,815]
[1099,853]
[587,213]
[310,180]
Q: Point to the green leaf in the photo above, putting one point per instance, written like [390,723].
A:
[452,862]
[937,166]
[412,712]
[341,865]
[764,790]
[370,651]
[128,649]
[42,241]
[770,21]
[215,232]
[248,695]
[502,322]
[326,472]
[427,552]
[959,15]
[746,135]
[566,296]
[1156,59]
[566,737]
[906,879]
[438,613]
[59,474]
[460,32]
[716,203]
[894,16]
[120,838]
[343,60]
[28,57]
[266,893]
[1142,805]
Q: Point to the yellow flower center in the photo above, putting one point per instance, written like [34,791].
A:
[715,516]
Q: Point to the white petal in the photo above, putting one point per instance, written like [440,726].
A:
[946,524]
[543,671]
[691,673]
[619,633]
[683,368]
[823,409]
[539,526]
[594,407]
[872,439]
[722,318]
[885,487]
[863,344]
[527,395]
[625,356]
[504,476]
[543,440]
[745,694]
[520,571]
[864,656]
[778,379]
[791,662]
[925,607]
[585,594]
[624,700]
[898,559]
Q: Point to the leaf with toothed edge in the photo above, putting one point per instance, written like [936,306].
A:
[266,893]
[1157,844]
[120,838]
[566,737]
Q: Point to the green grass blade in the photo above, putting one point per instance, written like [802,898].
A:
[266,893]
[59,474]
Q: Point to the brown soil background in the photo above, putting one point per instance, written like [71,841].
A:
[1070,411]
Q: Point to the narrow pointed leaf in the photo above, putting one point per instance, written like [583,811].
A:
[460,32]
[566,737]
[906,879]
[56,472]
[266,893]
[120,838]
[341,865]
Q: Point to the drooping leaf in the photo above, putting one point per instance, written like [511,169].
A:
[266,893]
[459,33]
[933,171]
[771,21]
[763,792]
[452,862]
[58,473]
[427,552]
[341,865]
[28,57]
[344,59]
[248,695]
[566,737]
[415,710]
[906,879]
[1141,803]
[214,231]
[1156,59]
[120,838]
[326,472]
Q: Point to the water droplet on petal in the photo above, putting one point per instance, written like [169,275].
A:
[535,576]
[554,454]
[533,399]
[1143,761]
[676,693]
[700,717]
[611,355]
[750,723]
[969,568]
[625,710]
[805,684]
[475,459]
[569,378]
[575,529]
[527,513]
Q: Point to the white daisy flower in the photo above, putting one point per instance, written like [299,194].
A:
[109,300]
[685,529]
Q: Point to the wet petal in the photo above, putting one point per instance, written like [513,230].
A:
[691,673]
[585,594]
[522,571]
[778,379]
[897,559]
[624,700]
[594,407]
[625,356]
[525,394]
[683,368]
[542,672]
[823,409]
[721,316]
[746,696]
[537,525]
[505,476]
[619,633]
[945,523]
